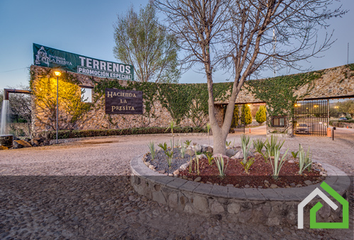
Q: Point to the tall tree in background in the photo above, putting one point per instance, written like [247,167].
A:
[239,34]
[235,117]
[144,43]
[246,116]
[261,115]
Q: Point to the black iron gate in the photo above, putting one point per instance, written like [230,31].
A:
[311,117]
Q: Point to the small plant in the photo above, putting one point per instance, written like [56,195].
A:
[258,145]
[163,146]
[245,145]
[277,163]
[188,142]
[152,149]
[221,165]
[169,155]
[295,154]
[208,131]
[183,150]
[210,158]
[273,145]
[305,160]
[197,162]
[172,125]
[190,165]
[248,164]
[228,143]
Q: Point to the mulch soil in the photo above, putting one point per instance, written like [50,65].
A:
[260,174]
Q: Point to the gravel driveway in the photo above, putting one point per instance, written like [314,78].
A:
[81,190]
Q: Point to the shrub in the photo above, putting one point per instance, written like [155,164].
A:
[235,117]
[62,134]
[261,115]
[246,116]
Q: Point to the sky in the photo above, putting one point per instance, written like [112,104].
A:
[86,27]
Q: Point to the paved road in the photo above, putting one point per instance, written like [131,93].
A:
[78,190]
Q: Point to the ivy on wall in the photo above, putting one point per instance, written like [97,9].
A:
[180,100]
[279,93]
[71,108]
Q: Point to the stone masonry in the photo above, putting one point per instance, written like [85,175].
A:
[335,82]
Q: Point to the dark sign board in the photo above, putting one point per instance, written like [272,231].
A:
[124,101]
[54,58]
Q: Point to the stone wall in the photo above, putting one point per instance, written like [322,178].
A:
[96,117]
[268,207]
[334,82]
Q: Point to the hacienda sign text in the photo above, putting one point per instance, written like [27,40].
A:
[123,101]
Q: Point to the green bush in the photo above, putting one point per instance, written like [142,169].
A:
[235,117]
[246,116]
[261,115]
[62,134]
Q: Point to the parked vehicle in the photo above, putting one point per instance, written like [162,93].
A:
[302,128]
[343,118]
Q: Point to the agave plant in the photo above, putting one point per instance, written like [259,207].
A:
[305,160]
[277,163]
[245,145]
[221,165]
[172,125]
[247,165]
[190,165]
[188,142]
[169,155]
[295,154]
[163,146]
[183,150]
[210,158]
[258,145]
[152,150]
[273,145]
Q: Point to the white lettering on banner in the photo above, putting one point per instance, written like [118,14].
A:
[127,69]
[82,61]
[95,64]
[88,62]
[109,66]
[102,65]
[115,67]
[98,73]
[121,68]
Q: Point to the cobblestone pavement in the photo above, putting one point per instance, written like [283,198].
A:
[81,190]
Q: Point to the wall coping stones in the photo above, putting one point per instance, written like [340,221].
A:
[283,194]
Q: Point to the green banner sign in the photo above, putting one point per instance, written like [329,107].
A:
[53,58]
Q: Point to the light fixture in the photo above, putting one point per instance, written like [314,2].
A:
[58,74]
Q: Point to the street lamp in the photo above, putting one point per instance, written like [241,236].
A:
[57,73]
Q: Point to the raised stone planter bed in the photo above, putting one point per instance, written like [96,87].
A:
[261,206]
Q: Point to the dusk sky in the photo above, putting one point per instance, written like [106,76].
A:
[86,27]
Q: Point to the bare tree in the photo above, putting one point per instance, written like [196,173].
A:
[238,35]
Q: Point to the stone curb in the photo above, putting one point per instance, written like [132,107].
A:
[281,194]
[270,207]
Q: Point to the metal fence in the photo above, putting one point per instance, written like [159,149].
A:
[311,117]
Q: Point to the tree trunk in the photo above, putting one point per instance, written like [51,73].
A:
[219,140]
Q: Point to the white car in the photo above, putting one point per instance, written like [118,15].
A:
[302,128]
